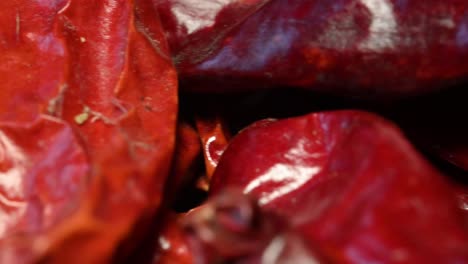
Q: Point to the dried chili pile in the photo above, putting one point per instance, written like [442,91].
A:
[233,131]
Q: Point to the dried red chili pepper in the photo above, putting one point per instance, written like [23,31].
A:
[44,171]
[228,227]
[33,58]
[173,245]
[214,137]
[364,47]
[188,149]
[351,185]
[95,66]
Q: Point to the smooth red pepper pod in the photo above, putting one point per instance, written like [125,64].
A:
[368,48]
[351,185]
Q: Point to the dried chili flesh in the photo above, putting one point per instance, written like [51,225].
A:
[368,48]
[100,92]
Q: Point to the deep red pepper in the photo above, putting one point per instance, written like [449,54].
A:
[214,137]
[351,185]
[93,65]
[33,59]
[358,47]
[42,180]
[228,227]
[88,106]
[173,246]
[187,152]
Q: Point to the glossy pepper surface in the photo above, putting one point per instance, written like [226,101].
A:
[88,124]
[357,47]
[351,185]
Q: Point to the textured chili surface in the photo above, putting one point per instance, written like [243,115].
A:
[351,185]
[88,120]
[359,47]
[215,138]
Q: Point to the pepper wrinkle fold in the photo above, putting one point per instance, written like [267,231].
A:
[76,183]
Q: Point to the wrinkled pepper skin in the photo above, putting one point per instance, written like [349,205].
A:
[87,125]
[33,58]
[42,179]
[357,47]
[351,184]
[228,228]
[174,244]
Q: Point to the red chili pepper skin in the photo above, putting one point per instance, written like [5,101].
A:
[358,47]
[173,245]
[215,138]
[33,58]
[186,155]
[351,184]
[94,66]
[230,228]
[44,171]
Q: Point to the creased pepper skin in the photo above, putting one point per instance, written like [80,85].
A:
[173,245]
[32,58]
[357,47]
[229,228]
[351,184]
[106,84]
[42,179]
